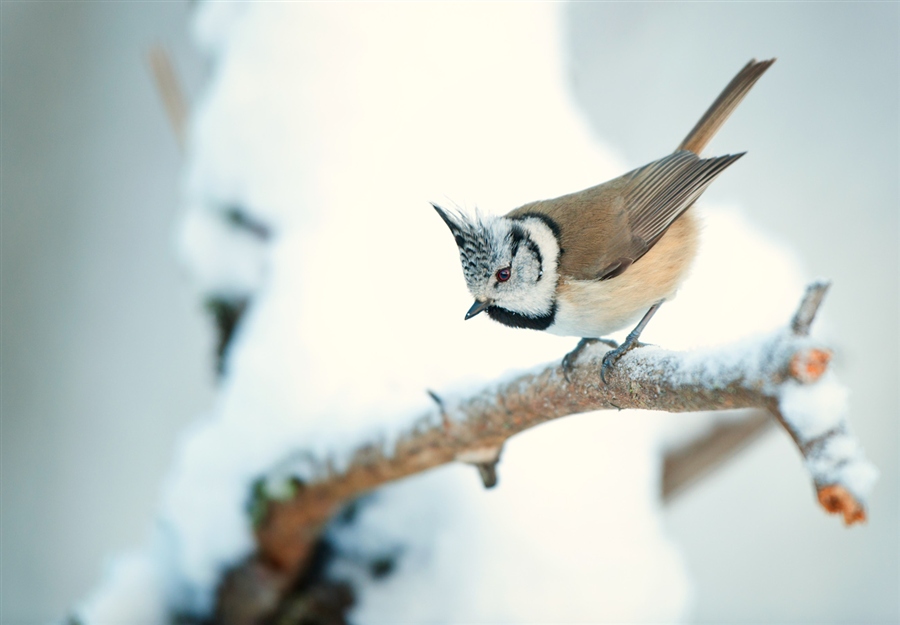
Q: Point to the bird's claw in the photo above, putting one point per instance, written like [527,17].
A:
[568,361]
[613,356]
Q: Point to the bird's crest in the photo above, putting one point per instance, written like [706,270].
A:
[479,242]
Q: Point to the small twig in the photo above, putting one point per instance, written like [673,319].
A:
[170,91]
[485,460]
[445,420]
[808,308]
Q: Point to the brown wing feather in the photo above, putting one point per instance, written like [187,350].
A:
[661,191]
[607,228]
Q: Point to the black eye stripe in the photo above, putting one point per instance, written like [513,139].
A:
[519,237]
[536,252]
[534,249]
[516,236]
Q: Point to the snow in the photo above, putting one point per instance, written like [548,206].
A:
[857,475]
[132,592]
[814,409]
[710,367]
[334,125]
[226,261]
[840,460]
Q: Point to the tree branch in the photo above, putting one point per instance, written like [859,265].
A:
[783,373]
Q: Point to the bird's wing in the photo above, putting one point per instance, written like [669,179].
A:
[653,197]
[606,229]
[657,193]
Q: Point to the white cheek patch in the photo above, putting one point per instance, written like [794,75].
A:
[546,241]
[537,298]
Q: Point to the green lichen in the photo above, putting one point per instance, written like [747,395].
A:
[267,490]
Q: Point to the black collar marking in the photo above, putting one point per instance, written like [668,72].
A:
[518,320]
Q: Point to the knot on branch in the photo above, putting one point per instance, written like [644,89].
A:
[808,365]
[485,460]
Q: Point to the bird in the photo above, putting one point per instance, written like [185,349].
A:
[595,261]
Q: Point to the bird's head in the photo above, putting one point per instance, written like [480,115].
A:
[509,264]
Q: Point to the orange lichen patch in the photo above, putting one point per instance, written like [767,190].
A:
[837,500]
[808,365]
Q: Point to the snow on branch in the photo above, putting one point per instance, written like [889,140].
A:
[784,373]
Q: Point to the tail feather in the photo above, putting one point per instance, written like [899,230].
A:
[724,105]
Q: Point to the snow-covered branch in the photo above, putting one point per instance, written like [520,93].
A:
[784,373]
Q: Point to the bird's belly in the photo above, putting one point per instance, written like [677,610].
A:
[587,310]
[593,309]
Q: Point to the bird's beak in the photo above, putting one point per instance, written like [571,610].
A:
[477,307]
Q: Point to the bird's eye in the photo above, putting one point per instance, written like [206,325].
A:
[503,275]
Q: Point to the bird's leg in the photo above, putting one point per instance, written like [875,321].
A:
[631,341]
[568,361]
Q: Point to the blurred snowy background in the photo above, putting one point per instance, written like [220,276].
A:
[106,352]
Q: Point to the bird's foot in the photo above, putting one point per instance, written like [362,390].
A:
[568,361]
[613,355]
